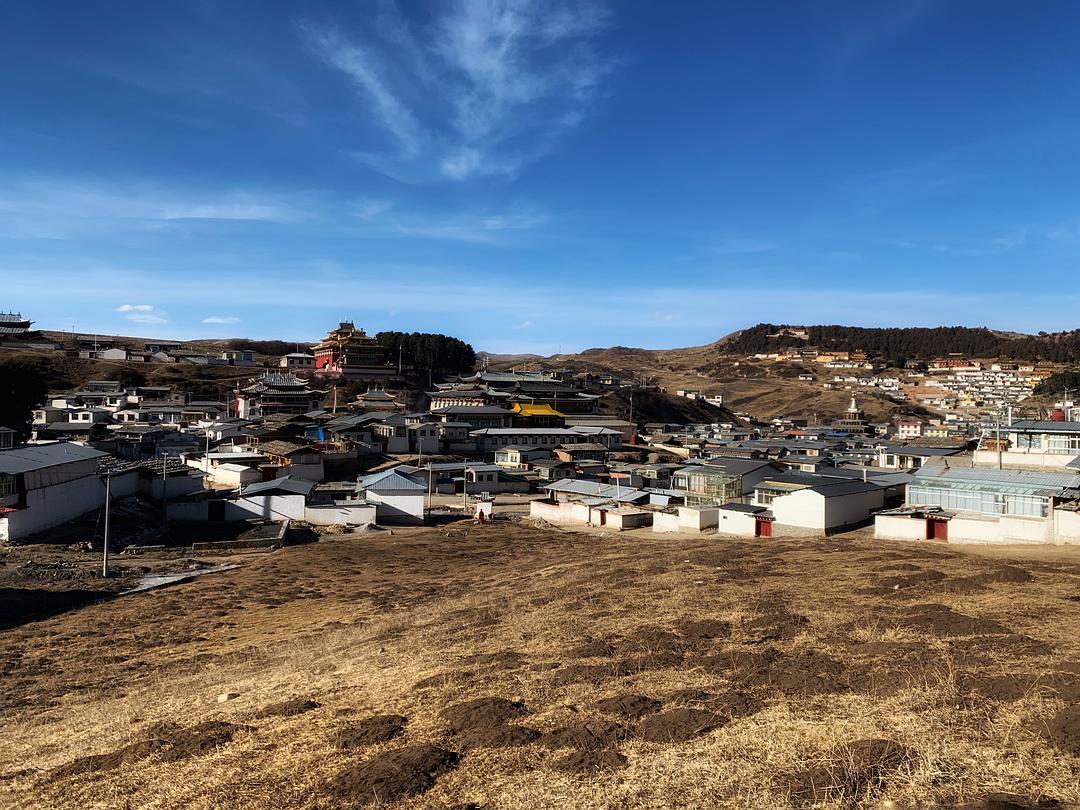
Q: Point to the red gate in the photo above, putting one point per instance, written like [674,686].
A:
[937,529]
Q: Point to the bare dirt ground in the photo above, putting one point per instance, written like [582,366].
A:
[518,666]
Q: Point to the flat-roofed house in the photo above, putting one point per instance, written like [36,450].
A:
[491,439]
[721,480]
[45,485]
[1030,443]
[298,461]
[909,457]
[979,505]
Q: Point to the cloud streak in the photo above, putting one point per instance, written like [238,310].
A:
[483,90]
[59,208]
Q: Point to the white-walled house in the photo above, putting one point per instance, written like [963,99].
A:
[686,519]
[44,485]
[398,496]
[493,439]
[1031,443]
[828,507]
[277,501]
[821,505]
[978,505]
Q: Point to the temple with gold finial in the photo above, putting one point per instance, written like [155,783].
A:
[350,352]
[853,420]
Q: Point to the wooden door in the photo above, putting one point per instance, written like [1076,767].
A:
[937,530]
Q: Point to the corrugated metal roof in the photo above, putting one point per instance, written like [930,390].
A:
[1042,425]
[1036,478]
[286,484]
[390,480]
[38,456]
[597,490]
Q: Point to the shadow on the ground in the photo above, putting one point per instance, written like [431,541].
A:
[21,605]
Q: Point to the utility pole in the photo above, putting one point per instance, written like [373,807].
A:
[998,440]
[164,491]
[105,545]
[427,508]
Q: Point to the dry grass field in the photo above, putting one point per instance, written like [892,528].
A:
[516,666]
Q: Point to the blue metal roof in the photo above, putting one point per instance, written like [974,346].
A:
[389,480]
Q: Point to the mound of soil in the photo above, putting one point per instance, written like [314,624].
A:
[775,626]
[374,730]
[911,580]
[651,640]
[507,659]
[696,631]
[850,773]
[809,673]
[288,708]
[590,761]
[980,582]
[592,735]
[999,688]
[484,723]
[679,725]
[392,775]
[732,705]
[171,741]
[504,736]
[633,706]
[943,621]
[127,755]
[482,712]
[591,648]
[589,673]
[199,740]
[1063,729]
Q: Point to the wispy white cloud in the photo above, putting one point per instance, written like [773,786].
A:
[370,209]
[147,318]
[522,325]
[487,230]
[61,208]
[484,89]
[142,313]
[219,319]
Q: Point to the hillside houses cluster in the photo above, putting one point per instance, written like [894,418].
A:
[285,444]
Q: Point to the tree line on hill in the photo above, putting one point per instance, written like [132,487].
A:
[438,354]
[905,343]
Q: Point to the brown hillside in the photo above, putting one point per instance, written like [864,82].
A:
[761,388]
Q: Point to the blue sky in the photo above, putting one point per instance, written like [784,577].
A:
[538,175]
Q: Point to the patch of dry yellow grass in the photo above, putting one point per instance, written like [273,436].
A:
[539,594]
